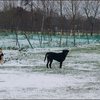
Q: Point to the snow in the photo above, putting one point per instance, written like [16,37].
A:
[24,74]
[12,83]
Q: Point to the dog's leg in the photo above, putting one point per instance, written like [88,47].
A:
[60,64]
[50,63]
[47,63]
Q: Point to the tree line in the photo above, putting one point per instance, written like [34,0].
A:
[50,16]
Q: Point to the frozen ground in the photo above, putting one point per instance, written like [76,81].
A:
[24,75]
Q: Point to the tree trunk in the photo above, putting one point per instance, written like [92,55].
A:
[17,42]
[92,28]
[28,40]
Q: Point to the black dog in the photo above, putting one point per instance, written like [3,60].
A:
[60,57]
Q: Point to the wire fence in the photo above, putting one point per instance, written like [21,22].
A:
[38,40]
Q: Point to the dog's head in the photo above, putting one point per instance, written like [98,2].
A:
[65,51]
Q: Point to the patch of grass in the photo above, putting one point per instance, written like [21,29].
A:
[90,49]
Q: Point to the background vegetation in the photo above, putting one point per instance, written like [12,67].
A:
[50,15]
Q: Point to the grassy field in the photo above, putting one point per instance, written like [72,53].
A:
[24,74]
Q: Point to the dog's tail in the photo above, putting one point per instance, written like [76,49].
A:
[45,56]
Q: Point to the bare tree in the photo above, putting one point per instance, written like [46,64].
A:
[8,4]
[72,11]
[8,8]
[61,20]
[91,10]
[47,7]
[18,14]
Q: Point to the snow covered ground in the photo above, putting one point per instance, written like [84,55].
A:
[25,76]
